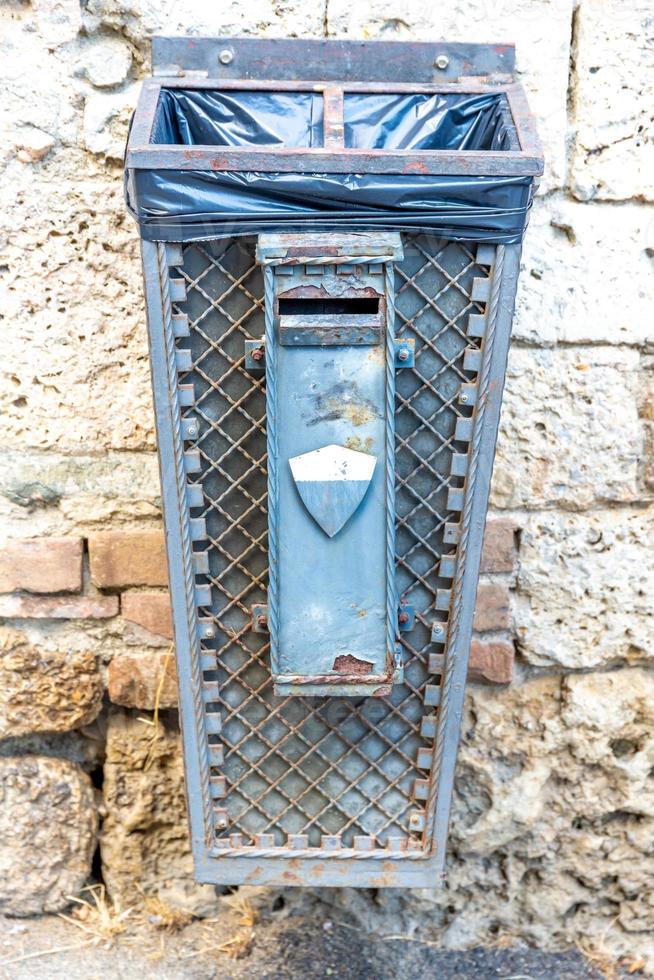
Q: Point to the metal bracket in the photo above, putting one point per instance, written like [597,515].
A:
[294,59]
[405,352]
[255,355]
[406,617]
[438,632]
[259,618]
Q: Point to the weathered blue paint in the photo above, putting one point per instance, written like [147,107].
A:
[335,615]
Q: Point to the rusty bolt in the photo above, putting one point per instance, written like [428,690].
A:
[403,354]
[442,62]
[403,617]
[257,354]
[262,621]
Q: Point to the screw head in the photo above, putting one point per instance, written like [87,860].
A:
[192,431]
[257,354]
[437,629]
[403,617]
[463,398]
[208,632]
[403,354]
[262,621]
[226,57]
[442,61]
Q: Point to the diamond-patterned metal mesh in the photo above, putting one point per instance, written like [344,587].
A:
[318,766]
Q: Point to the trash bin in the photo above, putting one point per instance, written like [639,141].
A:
[331,235]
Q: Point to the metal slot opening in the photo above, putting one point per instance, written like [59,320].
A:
[356,306]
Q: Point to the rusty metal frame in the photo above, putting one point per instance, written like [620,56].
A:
[144,155]
[356,59]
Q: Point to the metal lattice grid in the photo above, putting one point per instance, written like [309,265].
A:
[320,766]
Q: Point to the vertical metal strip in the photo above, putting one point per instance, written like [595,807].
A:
[178,543]
[484,436]
[391,587]
[273,463]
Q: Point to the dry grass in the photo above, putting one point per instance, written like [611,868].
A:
[99,918]
[239,945]
[163,916]
[634,966]
[154,721]
[596,952]
[247,914]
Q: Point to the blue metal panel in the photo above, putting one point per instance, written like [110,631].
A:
[332,600]
[332,590]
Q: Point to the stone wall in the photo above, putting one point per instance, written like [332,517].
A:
[554,809]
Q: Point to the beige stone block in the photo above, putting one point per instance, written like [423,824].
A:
[570,435]
[48,824]
[139,19]
[145,837]
[74,375]
[613,152]
[59,21]
[105,61]
[46,690]
[586,274]
[51,493]
[586,588]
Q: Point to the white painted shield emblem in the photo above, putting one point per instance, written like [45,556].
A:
[332,482]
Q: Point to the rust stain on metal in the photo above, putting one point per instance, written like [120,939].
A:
[360,445]
[343,401]
[416,168]
[324,250]
[377,355]
[347,664]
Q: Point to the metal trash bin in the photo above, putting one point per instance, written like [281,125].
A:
[331,236]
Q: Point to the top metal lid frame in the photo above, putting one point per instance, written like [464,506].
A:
[332,67]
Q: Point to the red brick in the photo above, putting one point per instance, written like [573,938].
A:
[41,565]
[150,610]
[122,558]
[59,607]
[491,661]
[492,611]
[134,678]
[499,553]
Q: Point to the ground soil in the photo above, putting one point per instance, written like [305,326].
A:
[258,946]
